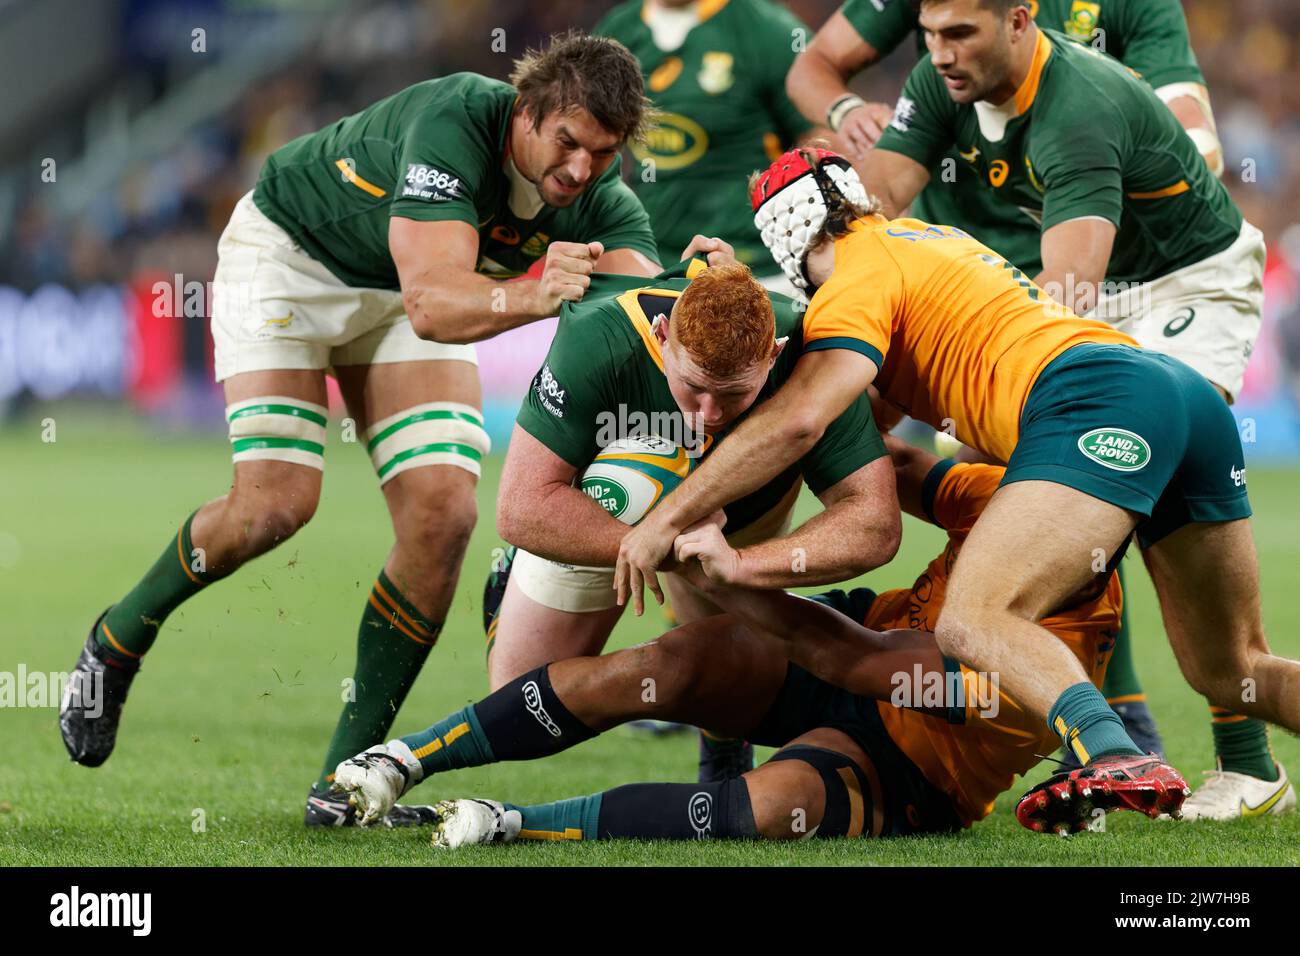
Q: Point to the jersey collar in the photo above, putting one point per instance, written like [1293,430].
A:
[992,119]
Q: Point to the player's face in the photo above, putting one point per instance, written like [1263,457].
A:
[709,404]
[567,153]
[970,47]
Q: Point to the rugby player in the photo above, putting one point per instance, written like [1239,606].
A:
[379,247]
[1120,197]
[865,753]
[715,71]
[1103,440]
[1148,36]
[692,356]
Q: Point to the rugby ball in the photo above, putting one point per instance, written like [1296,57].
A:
[629,477]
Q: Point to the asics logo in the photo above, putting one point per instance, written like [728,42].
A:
[533,701]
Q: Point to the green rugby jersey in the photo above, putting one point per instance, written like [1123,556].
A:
[604,367]
[1149,36]
[436,151]
[725,115]
[1087,139]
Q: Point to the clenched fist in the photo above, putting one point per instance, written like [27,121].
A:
[567,274]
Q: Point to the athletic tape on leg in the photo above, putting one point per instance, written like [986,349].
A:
[278,428]
[436,433]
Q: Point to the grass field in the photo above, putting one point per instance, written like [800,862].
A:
[232,712]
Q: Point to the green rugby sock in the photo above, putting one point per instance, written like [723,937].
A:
[1087,725]
[574,819]
[1241,744]
[452,743]
[131,626]
[392,643]
[1121,685]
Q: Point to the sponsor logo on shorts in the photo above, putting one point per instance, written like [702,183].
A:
[1179,323]
[607,493]
[1116,448]
[700,811]
[430,184]
[533,701]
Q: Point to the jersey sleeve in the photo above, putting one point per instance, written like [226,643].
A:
[850,442]
[1157,44]
[573,386]
[1080,167]
[955,493]
[922,125]
[780,28]
[855,309]
[882,23]
[616,219]
[441,167]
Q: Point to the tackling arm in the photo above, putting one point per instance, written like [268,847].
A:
[1190,104]
[859,531]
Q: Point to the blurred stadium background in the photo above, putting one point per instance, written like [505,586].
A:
[126,140]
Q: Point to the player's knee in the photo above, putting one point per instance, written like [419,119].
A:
[806,791]
[272,504]
[436,511]
[788,809]
[677,663]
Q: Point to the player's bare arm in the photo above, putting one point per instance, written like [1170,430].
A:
[539,509]
[779,433]
[818,85]
[447,301]
[894,179]
[859,531]
[1190,104]
[1075,255]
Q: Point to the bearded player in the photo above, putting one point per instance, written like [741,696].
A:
[693,356]
[379,247]
[948,331]
[1134,228]
[864,751]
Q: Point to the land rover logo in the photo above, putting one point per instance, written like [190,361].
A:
[1116,448]
[607,493]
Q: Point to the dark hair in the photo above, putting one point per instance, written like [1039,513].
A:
[1000,7]
[597,74]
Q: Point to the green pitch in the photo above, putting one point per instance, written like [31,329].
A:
[231,714]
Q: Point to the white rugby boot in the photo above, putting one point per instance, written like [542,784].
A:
[1229,796]
[376,778]
[466,822]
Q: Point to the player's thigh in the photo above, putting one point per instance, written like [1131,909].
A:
[1035,544]
[422,426]
[790,796]
[530,634]
[277,423]
[1207,578]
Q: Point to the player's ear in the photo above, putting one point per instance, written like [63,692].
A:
[659,326]
[778,347]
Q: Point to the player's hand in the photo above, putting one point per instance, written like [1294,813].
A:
[645,549]
[862,127]
[567,274]
[704,543]
[716,252]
